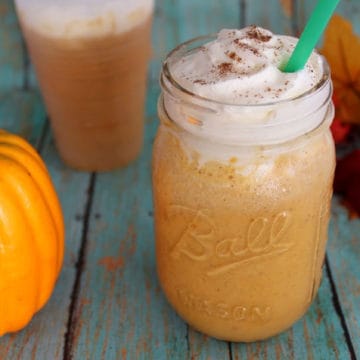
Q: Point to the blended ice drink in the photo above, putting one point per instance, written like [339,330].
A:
[91,59]
[243,167]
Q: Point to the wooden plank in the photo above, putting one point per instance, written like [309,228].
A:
[23,113]
[16,70]
[11,48]
[318,335]
[276,15]
[202,347]
[123,292]
[165,35]
[31,75]
[344,259]
[121,312]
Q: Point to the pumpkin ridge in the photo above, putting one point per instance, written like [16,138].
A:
[42,225]
[17,153]
[8,138]
[28,149]
[18,266]
[36,184]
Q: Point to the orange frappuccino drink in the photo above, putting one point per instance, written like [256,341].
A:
[243,166]
[91,61]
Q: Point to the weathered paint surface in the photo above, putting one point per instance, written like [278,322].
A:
[11,48]
[107,303]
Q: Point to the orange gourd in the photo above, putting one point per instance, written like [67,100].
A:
[31,233]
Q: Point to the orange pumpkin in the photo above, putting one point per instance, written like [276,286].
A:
[31,233]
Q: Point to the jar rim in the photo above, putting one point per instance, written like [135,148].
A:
[166,72]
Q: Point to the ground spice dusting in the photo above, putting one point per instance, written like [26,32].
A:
[255,34]
[245,46]
[225,68]
[233,56]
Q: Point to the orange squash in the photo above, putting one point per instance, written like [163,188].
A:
[31,233]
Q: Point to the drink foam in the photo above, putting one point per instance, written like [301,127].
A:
[242,67]
[82,19]
[230,92]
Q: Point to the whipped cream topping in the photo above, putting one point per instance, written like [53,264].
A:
[243,101]
[83,18]
[242,67]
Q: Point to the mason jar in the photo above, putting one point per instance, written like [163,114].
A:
[242,202]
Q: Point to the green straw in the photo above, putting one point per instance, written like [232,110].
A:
[311,34]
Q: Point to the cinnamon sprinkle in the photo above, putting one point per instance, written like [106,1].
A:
[225,68]
[233,56]
[256,34]
[245,46]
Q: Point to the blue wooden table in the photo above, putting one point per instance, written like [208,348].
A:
[107,303]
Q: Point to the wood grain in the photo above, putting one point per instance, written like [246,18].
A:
[23,113]
[344,259]
[12,56]
[307,338]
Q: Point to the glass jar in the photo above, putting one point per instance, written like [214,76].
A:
[242,201]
